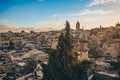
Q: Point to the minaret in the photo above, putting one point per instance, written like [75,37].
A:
[83,47]
[77,26]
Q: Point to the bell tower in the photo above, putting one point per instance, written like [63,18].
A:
[82,47]
[77,26]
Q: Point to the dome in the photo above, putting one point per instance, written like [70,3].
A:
[83,37]
[118,24]
[39,66]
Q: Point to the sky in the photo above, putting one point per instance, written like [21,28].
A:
[54,13]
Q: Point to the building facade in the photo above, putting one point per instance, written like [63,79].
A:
[81,43]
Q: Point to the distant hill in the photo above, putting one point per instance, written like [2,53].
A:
[6,28]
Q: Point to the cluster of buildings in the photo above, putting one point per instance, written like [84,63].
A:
[16,48]
[26,40]
[106,41]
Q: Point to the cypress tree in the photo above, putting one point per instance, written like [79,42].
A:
[68,38]
[62,61]
[65,46]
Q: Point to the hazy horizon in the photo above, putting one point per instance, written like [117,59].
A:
[54,13]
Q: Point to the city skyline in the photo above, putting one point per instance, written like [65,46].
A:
[54,13]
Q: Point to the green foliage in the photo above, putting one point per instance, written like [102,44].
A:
[65,52]
[62,63]
[65,43]
[94,53]
[80,70]
[116,66]
[30,66]
[10,75]
[11,45]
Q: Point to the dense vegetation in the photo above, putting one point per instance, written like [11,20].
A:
[63,64]
[116,67]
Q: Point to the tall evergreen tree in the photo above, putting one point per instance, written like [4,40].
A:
[65,40]
[62,61]
[65,46]
[68,37]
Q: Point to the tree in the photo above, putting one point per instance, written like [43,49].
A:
[116,66]
[11,45]
[29,67]
[60,60]
[94,53]
[11,75]
[32,32]
[22,31]
[80,70]
[62,63]
[65,46]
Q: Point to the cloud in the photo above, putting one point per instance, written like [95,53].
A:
[7,21]
[53,24]
[5,28]
[4,20]
[41,0]
[91,12]
[54,15]
[97,2]
[41,26]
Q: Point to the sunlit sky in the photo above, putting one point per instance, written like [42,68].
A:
[54,13]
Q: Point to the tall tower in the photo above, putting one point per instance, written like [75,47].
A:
[77,26]
[118,24]
[82,47]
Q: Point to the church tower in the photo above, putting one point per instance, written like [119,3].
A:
[82,47]
[77,26]
[117,25]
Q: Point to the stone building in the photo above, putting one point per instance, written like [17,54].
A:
[82,47]
[54,43]
[81,43]
[38,74]
[78,26]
